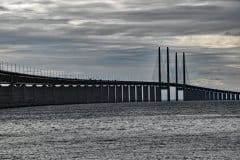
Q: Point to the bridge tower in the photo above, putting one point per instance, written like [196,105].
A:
[184,69]
[159,74]
[168,76]
[167,86]
[176,68]
[184,76]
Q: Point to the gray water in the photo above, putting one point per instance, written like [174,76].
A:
[185,130]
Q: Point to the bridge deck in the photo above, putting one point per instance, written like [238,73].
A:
[25,89]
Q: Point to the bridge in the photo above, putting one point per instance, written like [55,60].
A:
[21,88]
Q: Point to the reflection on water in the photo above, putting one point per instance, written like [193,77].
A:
[122,131]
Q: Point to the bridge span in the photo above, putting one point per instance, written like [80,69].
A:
[20,89]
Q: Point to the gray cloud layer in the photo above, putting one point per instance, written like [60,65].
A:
[120,37]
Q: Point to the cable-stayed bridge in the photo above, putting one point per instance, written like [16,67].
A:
[25,86]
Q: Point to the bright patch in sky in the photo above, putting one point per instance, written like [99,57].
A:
[208,41]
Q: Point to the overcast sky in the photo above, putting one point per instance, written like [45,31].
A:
[121,37]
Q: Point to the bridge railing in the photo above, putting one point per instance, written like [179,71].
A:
[26,70]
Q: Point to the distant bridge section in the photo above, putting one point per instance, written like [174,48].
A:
[21,89]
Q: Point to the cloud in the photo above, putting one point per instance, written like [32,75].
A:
[237,66]
[2,8]
[108,36]
[208,41]
[207,82]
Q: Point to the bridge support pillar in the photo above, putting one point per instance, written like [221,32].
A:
[119,93]
[197,94]
[6,93]
[224,96]
[17,95]
[112,97]
[211,95]
[99,94]
[238,96]
[90,94]
[29,99]
[177,95]
[168,93]
[71,94]
[215,96]
[63,92]
[57,97]
[228,96]
[145,93]
[81,92]
[104,93]
[220,96]
[206,95]
[125,94]
[233,96]
[49,94]
[202,97]
[158,93]
[152,95]
[132,94]
[139,94]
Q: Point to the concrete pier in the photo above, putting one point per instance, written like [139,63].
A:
[17,94]
[29,95]
[125,94]
[152,94]
[104,94]
[206,95]
[5,95]
[119,94]
[211,95]
[139,94]
[233,96]
[145,93]
[228,96]
[112,97]
[238,96]
[158,94]
[132,94]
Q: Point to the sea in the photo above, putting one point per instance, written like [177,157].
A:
[124,131]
